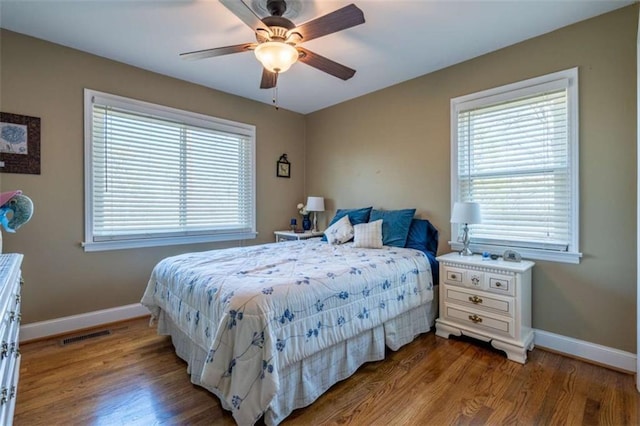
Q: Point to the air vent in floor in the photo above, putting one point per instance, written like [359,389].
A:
[82,337]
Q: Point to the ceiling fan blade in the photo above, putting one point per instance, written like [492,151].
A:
[246,15]
[217,51]
[324,64]
[347,17]
[269,79]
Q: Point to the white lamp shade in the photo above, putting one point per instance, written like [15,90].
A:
[276,56]
[315,204]
[466,212]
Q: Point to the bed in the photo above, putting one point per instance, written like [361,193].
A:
[269,328]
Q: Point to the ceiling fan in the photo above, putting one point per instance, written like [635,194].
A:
[278,39]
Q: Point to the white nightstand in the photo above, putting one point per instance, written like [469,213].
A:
[290,235]
[489,300]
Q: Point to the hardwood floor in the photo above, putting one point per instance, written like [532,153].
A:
[133,377]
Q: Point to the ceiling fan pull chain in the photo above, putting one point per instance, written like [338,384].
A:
[275,97]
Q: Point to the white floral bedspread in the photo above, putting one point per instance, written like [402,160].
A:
[257,309]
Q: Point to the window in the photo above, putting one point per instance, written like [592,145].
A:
[159,176]
[515,152]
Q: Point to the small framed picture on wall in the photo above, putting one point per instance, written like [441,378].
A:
[283,167]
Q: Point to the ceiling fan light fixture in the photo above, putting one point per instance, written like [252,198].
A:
[276,56]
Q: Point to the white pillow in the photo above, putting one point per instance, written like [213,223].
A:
[368,235]
[340,232]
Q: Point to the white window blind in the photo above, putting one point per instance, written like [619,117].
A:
[162,176]
[514,156]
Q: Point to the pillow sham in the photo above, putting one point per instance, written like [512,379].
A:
[395,225]
[356,216]
[368,235]
[340,232]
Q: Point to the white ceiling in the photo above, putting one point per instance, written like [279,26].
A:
[400,39]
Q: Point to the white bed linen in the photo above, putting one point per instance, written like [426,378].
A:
[301,383]
[258,309]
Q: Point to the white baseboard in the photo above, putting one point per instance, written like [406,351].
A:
[599,354]
[39,330]
[604,355]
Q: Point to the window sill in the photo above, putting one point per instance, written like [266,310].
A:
[168,241]
[533,254]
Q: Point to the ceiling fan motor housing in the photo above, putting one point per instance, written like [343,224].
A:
[276,7]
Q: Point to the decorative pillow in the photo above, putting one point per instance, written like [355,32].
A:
[355,216]
[395,225]
[340,232]
[422,236]
[368,235]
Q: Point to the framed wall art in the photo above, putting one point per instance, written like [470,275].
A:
[283,167]
[19,144]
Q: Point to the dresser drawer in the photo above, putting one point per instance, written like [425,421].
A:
[483,301]
[453,275]
[464,277]
[480,320]
[501,284]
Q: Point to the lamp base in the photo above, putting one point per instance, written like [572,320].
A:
[466,252]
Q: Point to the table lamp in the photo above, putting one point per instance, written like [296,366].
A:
[315,205]
[466,212]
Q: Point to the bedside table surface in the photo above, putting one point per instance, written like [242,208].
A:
[299,234]
[476,260]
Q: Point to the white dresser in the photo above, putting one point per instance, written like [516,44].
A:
[10,283]
[488,300]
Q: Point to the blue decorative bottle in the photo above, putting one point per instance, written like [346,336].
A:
[306,222]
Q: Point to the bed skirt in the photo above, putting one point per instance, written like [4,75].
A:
[303,382]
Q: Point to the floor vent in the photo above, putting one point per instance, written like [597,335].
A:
[82,337]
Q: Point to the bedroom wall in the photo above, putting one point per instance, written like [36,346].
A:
[391,149]
[47,80]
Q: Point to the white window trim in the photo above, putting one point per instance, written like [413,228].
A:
[511,91]
[193,118]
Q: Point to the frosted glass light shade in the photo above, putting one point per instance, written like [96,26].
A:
[276,56]
[466,212]
[315,204]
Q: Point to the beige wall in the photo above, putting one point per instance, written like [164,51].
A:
[391,149]
[47,81]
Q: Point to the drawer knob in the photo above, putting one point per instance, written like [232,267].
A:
[475,300]
[498,284]
[453,276]
[5,350]
[12,316]
[475,319]
[18,298]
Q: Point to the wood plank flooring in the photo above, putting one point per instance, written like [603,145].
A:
[133,377]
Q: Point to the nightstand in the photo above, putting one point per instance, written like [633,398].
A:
[290,235]
[489,300]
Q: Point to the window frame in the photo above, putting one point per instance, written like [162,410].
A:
[566,78]
[90,243]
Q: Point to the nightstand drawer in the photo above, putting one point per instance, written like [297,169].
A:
[464,277]
[453,275]
[502,284]
[501,305]
[480,320]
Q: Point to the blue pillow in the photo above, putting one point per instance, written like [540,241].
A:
[395,225]
[356,216]
[423,236]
